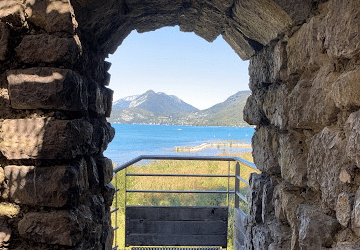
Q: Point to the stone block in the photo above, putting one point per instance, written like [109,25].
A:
[255,196]
[105,167]
[253,113]
[93,173]
[55,186]
[107,236]
[4,99]
[304,49]
[347,246]
[103,134]
[326,159]
[342,29]
[238,42]
[259,20]
[298,10]
[261,69]
[261,237]
[108,194]
[56,227]
[293,158]
[267,201]
[5,234]
[52,16]
[44,138]
[353,138]
[4,40]
[310,103]
[147,23]
[280,62]
[343,208]
[248,234]
[2,175]
[281,234]
[12,12]
[99,212]
[46,48]
[209,24]
[276,106]
[91,238]
[222,5]
[140,7]
[347,240]
[265,143]
[346,90]
[99,73]
[345,176]
[286,202]
[108,99]
[9,210]
[274,246]
[316,229]
[355,215]
[100,101]
[188,17]
[47,88]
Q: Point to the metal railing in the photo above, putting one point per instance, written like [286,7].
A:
[236,191]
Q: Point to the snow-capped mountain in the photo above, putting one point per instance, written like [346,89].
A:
[157,103]
[125,102]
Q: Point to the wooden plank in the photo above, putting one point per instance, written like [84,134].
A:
[177,213]
[176,240]
[176,227]
[177,248]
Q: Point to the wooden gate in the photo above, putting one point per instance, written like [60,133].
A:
[176,226]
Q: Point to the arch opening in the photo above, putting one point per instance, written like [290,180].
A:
[54,77]
[182,66]
[189,77]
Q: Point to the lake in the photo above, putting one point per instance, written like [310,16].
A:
[132,140]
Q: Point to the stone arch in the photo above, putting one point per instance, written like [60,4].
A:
[246,25]
[304,75]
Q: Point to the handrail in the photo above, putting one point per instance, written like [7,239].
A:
[182,191]
[182,175]
[194,158]
[191,158]
[237,177]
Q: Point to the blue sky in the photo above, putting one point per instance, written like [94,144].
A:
[177,63]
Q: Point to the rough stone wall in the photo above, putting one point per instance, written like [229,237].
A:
[54,180]
[305,104]
[53,103]
[304,75]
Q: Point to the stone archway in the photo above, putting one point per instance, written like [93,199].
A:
[304,75]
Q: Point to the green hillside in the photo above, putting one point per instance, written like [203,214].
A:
[227,113]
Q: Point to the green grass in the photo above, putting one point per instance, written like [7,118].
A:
[178,183]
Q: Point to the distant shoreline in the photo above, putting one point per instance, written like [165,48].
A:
[185,125]
[212,145]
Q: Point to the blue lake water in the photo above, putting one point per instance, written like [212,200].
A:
[132,140]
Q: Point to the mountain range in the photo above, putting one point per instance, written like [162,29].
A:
[158,103]
[160,108]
